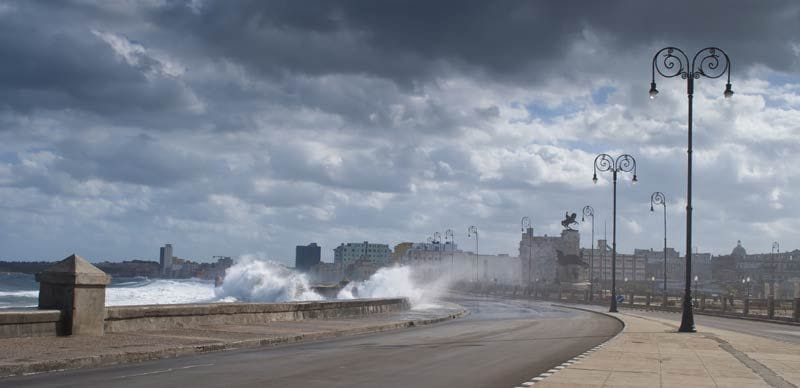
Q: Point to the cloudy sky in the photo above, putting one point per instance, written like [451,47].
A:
[232,127]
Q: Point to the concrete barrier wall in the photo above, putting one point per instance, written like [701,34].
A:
[30,323]
[165,317]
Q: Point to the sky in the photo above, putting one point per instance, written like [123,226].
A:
[249,127]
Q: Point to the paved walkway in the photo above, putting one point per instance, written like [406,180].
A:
[651,353]
[40,354]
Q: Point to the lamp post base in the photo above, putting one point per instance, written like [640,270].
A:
[613,308]
[687,319]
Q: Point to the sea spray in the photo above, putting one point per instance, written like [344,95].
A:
[254,280]
[393,282]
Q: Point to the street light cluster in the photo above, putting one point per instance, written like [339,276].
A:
[669,62]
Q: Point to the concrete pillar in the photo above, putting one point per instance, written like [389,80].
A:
[78,289]
[649,296]
[746,306]
[724,300]
[632,298]
[702,303]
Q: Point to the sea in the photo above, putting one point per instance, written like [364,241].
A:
[22,291]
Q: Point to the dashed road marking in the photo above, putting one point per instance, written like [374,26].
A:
[163,371]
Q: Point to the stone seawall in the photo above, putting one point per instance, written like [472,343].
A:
[165,317]
[37,323]
[30,323]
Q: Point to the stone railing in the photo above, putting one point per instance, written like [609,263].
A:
[787,310]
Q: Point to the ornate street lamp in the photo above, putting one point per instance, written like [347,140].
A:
[775,248]
[658,198]
[437,239]
[525,224]
[623,163]
[709,62]
[588,211]
[449,234]
[746,282]
[473,230]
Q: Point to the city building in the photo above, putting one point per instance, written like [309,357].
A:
[352,252]
[307,256]
[552,259]
[782,268]
[165,259]
[400,251]
[632,267]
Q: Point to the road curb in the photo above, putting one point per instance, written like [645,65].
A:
[133,357]
[577,359]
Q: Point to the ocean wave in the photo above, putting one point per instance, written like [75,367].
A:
[255,280]
[161,291]
[26,294]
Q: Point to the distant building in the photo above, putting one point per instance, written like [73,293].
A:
[552,259]
[306,256]
[400,251]
[165,260]
[352,252]
[762,268]
[629,266]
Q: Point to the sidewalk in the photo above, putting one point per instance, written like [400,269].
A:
[650,353]
[42,354]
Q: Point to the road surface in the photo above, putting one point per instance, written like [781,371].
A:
[502,343]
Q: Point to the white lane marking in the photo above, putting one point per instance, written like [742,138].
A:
[195,366]
[546,374]
[146,373]
[528,383]
[539,378]
[164,371]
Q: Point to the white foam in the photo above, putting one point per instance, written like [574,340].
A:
[394,282]
[252,279]
[26,294]
[161,291]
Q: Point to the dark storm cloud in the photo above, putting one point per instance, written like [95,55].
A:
[138,160]
[409,41]
[53,61]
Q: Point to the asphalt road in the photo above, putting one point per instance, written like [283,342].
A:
[500,344]
[776,331]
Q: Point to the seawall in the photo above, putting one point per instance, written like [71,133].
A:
[33,323]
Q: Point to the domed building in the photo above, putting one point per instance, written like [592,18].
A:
[739,252]
[724,268]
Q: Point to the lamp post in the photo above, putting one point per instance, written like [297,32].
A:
[449,234]
[652,285]
[709,62]
[623,163]
[696,291]
[775,248]
[746,282]
[588,211]
[658,198]
[525,225]
[437,239]
[473,230]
